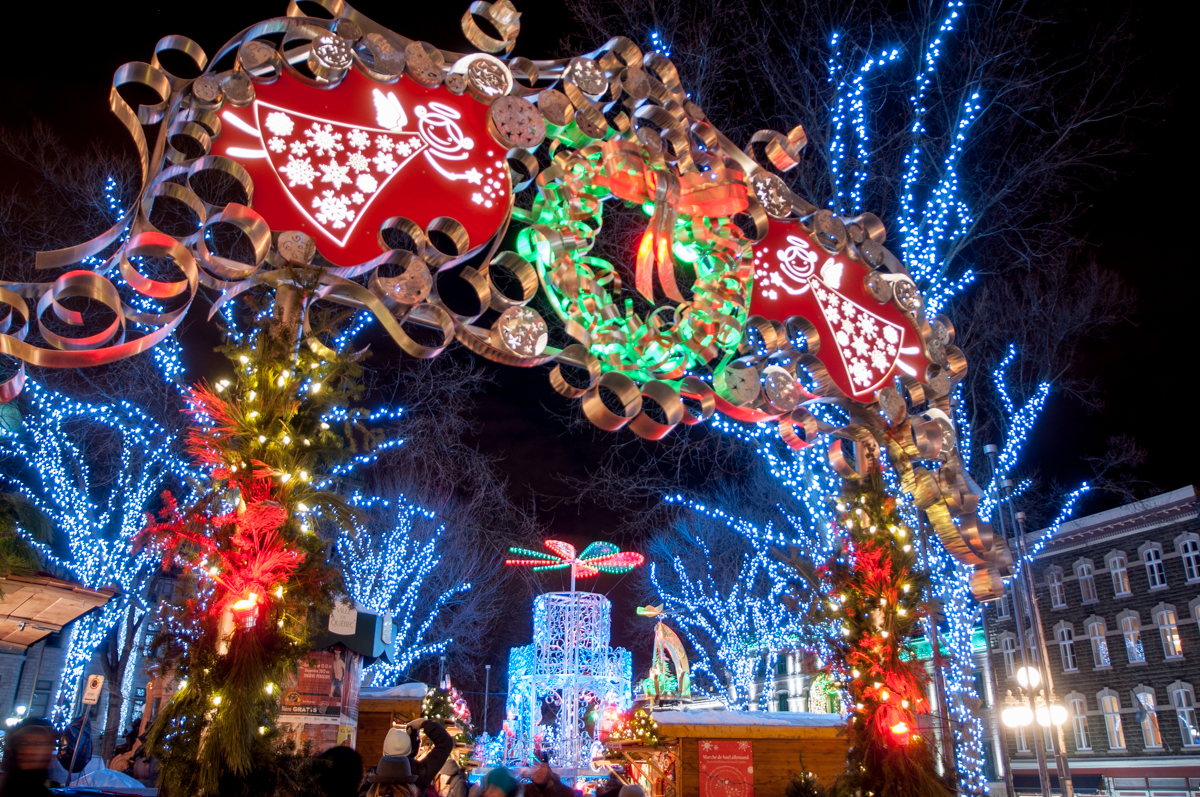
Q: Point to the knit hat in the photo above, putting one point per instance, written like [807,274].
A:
[392,769]
[502,779]
[397,742]
[450,767]
[632,790]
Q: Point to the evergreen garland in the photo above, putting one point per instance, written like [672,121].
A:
[249,554]
[875,595]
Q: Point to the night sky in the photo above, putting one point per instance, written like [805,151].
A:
[1145,367]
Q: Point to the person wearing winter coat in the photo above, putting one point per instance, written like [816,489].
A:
[498,782]
[545,782]
[27,754]
[404,743]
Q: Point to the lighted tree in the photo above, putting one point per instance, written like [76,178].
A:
[389,569]
[93,470]
[717,577]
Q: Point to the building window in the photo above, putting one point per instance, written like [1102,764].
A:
[1155,572]
[1096,632]
[1058,593]
[1066,646]
[1008,645]
[781,664]
[1119,570]
[1184,700]
[1110,704]
[783,701]
[1002,606]
[1087,581]
[1131,629]
[1022,740]
[1078,707]
[1168,629]
[54,640]
[1148,716]
[1189,552]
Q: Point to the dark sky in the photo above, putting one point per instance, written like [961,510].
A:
[1134,221]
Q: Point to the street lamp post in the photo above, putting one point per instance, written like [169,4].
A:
[487,684]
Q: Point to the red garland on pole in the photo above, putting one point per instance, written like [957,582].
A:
[874,595]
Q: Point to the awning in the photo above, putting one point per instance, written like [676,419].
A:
[1084,784]
[33,607]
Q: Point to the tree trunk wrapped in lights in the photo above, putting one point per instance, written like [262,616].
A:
[875,601]
[257,570]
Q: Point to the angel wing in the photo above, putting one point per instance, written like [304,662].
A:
[389,114]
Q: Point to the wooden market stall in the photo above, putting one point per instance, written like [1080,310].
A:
[748,753]
[379,710]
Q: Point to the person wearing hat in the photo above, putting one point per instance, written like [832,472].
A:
[545,782]
[499,782]
[450,781]
[403,743]
[392,777]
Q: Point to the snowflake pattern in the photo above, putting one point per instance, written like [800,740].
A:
[333,210]
[867,344]
[384,162]
[280,123]
[333,172]
[299,172]
[358,162]
[337,170]
[323,140]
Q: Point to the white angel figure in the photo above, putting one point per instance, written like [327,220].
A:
[389,113]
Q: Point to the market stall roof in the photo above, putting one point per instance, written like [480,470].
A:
[412,691]
[747,724]
[33,607]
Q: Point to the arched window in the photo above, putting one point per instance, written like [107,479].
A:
[1131,630]
[1156,574]
[1110,705]
[1066,645]
[1077,705]
[1058,593]
[1008,646]
[1118,568]
[1096,631]
[1148,716]
[1168,629]
[1087,581]
[1189,552]
[1183,698]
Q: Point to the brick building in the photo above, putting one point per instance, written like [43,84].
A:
[1119,594]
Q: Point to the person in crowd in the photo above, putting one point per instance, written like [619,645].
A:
[339,770]
[404,742]
[499,782]
[392,777]
[27,754]
[545,782]
[450,780]
[632,790]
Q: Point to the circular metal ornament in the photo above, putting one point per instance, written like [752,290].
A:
[255,55]
[829,231]
[556,107]
[488,78]
[877,286]
[423,62]
[385,58]
[350,31]
[872,252]
[907,295]
[207,89]
[937,379]
[587,75]
[330,57]
[891,403]
[516,124]
[238,89]
[456,83]
[773,193]
[296,247]
[780,387]
[742,382]
[943,330]
[412,286]
[522,331]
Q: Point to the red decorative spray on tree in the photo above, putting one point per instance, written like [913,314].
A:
[874,594]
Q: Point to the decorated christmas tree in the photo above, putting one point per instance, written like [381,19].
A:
[257,573]
[875,598]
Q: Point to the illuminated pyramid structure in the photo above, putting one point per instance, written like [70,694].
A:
[570,675]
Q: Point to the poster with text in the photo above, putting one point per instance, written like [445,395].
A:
[323,685]
[726,769]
